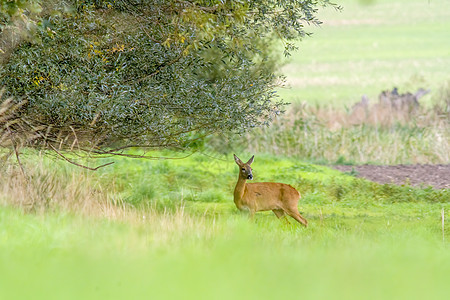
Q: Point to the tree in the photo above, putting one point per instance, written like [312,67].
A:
[105,75]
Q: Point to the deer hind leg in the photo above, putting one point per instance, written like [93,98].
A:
[281,215]
[297,216]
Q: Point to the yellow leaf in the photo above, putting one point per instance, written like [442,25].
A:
[166,43]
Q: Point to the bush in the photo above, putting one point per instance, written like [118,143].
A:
[151,73]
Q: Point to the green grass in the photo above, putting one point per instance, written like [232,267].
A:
[368,48]
[204,179]
[395,255]
[168,229]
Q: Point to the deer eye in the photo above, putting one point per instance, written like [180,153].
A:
[243,169]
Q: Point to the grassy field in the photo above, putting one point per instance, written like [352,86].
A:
[369,47]
[398,255]
[168,229]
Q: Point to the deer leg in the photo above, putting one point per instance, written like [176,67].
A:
[298,217]
[250,212]
[281,214]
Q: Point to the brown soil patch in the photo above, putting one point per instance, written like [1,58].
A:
[437,176]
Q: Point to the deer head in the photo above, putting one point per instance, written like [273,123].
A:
[245,170]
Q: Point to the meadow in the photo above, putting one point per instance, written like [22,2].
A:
[167,228]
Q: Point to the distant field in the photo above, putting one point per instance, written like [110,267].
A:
[371,46]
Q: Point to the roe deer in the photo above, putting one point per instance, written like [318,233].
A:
[280,198]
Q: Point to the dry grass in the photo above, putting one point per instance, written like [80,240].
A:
[372,133]
[43,187]
[377,116]
[50,186]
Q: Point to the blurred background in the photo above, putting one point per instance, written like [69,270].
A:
[371,46]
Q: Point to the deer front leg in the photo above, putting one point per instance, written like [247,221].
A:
[249,211]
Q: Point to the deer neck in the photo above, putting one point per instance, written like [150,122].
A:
[239,190]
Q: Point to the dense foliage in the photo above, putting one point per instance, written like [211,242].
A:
[150,73]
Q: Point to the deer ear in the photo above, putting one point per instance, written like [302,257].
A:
[250,161]
[237,160]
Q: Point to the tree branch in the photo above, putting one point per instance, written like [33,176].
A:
[76,164]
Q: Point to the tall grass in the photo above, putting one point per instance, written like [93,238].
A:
[373,134]
[47,186]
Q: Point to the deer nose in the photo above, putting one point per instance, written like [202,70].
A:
[250,177]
